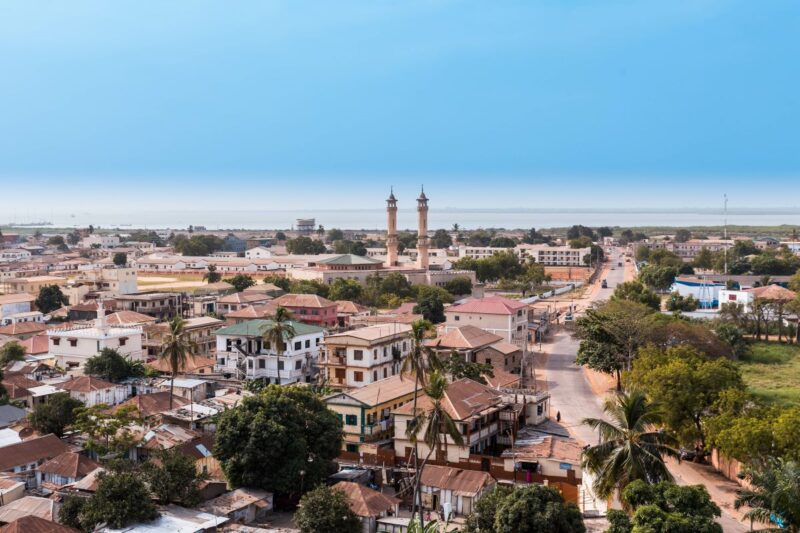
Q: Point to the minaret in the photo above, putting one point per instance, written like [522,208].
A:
[422,230]
[391,233]
[100,322]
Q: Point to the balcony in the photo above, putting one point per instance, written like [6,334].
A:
[378,430]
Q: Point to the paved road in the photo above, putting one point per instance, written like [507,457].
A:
[573,396]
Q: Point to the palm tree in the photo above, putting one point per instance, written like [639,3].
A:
[418,362]
[775,495]
[629,448]
[278,331]
[439,425]
[176,347]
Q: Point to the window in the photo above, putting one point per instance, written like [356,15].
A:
[298,364]
[123,341]
[358,355]
[56,341]
[308,343]
[262,363]
[280,365]
[456,318]
[73,342]
[353,448]
[358,376]
[384,372]
[374,375]
[250,363]
[351,420]
[375,353]
[298,345]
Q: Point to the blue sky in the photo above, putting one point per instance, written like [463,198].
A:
[496,103]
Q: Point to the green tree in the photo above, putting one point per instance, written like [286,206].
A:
[430,302]
[346,289]
[704,259]
[211,275]
[503,242]
[310,286]
[537,508]
[334,235]
[305,246]
[664,258]
[50,298]
[686,385]
[441,239]
[176,347]
[173,478]
[303,436]
[107,432]
[630,448]
[481,520]
[578,231]
[604,231]
[665,508]
[457,367]
[437,427]
[658,277]
[611,336]
[459,286]
[55,415]
[122,498]
[278,332]
[110,365]
[326,510]
[55,240]
[774,498]
[280,236]
[73,238]
[120,259]
[69,514]
[13,351]
[677,303]
[241,281]
[642,253]
[683,235]
[635,291]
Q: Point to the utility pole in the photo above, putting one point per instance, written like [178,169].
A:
[725,232]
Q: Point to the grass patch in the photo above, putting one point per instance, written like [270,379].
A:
[772,372]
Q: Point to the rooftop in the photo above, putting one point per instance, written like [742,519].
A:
[491,305]
[364,501]
[256,328]
[303,300]
[371,333]
[465,337]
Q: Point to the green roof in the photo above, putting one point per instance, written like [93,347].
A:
[349,259]
[255,328]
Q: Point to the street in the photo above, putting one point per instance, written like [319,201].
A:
[572,395]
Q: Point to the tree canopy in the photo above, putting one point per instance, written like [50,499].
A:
[303,435]
[55,415]
[173,478]
[537,508]
[305,245]
[110,365]
[241,282]
[326,510]
[50,298]
[635,291]
[122,498]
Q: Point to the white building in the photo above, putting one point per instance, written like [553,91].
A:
[707,292]
[243,352]
[13,304]
[259,252]
[101,241]
[71,347]
[541,253]
[14,254]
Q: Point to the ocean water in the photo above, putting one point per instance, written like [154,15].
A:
[407,218]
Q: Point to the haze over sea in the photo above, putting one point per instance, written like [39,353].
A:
[509,218]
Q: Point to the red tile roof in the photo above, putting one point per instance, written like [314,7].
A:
[491,305]
[69,464]
[23,328]
[303,300]
[85,384]
[35,345]
[364,501]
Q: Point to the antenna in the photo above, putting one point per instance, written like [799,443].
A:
[725,231]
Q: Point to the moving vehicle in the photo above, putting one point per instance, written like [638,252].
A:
[604,285]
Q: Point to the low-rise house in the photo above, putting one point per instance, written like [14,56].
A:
[94,391]
[27,506]
[33,284]
[500,316]
[310,309]
[545,453]
[64,469]
[243,352]
[24,457]
[252,312]
[174,518]
[241,505]
[501,355]
[453,488]
[240,300]
[27,392]
[23,330]
[10,490]
[361,356]
[30,316]
[11,304]
[36,345]
[34,524]
[369,505]
[151,406]
[347,310]
[11,415]
[188,388]
[161,305]
[195,364]
[366,412]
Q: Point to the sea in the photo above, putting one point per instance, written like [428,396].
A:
[369,219]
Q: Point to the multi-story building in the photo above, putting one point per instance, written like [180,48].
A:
[486,418]
[366,412]
[200,330]
[161,305]
[554,255]
[309,308]
[366,355]
[114,280]
[239,300]
[100,241]
[72,346]
[501,316]
[12,304]
[478,346]
[688,250]
[31,285]
[243,352]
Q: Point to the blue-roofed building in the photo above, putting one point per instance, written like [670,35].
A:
[704,291]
